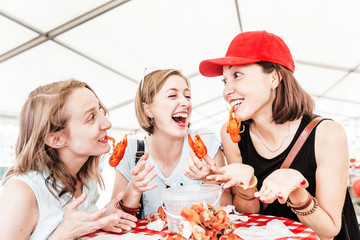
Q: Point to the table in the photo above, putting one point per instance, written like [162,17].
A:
[297,228]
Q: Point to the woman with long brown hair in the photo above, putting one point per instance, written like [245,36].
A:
[51,190]
[274,110]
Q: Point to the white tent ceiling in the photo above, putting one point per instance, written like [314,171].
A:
[108,44]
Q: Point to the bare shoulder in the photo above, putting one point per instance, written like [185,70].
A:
[19,207]
[223,128]
[20,194]
[331,142]
[329,131]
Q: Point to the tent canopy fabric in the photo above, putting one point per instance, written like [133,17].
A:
[108,44]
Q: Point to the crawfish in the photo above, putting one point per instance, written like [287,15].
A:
[198,146]
[233,127]
[118,151]
[160,214]
[230,236]
[191,215]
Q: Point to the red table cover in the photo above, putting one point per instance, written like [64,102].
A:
[301,231]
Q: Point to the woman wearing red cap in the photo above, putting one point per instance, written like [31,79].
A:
[274,110]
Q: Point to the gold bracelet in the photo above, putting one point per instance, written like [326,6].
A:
[308,212]
[251,185]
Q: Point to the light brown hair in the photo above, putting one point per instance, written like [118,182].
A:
[42,114]
[148,88]
[291,101]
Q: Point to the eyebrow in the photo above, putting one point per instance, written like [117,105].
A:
[89,110]
[176,89]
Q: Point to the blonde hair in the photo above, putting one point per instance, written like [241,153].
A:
[148,88]
[42,114]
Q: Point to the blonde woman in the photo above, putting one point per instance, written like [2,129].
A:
[51,190]
[163,108]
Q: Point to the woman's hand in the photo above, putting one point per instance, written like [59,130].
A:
[196,169]
[78,223]
[233,175]
[280,184]
[141,177]
[124,221]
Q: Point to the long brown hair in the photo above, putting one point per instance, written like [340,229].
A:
[42,114]
[148,88]
[291,101]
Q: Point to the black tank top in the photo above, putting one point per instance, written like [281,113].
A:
[305,163]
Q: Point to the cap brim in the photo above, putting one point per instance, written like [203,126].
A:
[214,67]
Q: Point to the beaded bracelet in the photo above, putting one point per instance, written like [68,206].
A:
[251,185]
[316,204]
[132,211]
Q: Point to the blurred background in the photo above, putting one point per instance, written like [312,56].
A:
[108,44]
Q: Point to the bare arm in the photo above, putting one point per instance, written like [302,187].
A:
[19,211]
[332,159]
[331,152]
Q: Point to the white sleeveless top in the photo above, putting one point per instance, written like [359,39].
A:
[51,209]
[152,198]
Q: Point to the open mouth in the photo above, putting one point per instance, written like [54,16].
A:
[180,118]
[236,103]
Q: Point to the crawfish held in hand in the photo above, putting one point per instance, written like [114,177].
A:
[198,146]
[118,151]
[233,127]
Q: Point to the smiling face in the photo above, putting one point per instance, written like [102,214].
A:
[86,128]
[249,89]
[171,107]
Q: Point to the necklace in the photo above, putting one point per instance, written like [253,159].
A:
[282,143]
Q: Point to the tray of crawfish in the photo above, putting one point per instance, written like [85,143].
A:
[204,222]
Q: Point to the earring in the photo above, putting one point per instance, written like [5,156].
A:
[152,121]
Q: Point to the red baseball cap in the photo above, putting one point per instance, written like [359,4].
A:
[250,47]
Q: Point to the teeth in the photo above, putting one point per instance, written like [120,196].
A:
[103,139]
[237,102]
[184,115]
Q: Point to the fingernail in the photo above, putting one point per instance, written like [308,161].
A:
[257,197]
[262,200]
[303,182]
[280,197]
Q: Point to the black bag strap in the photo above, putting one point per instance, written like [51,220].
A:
[140,150]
